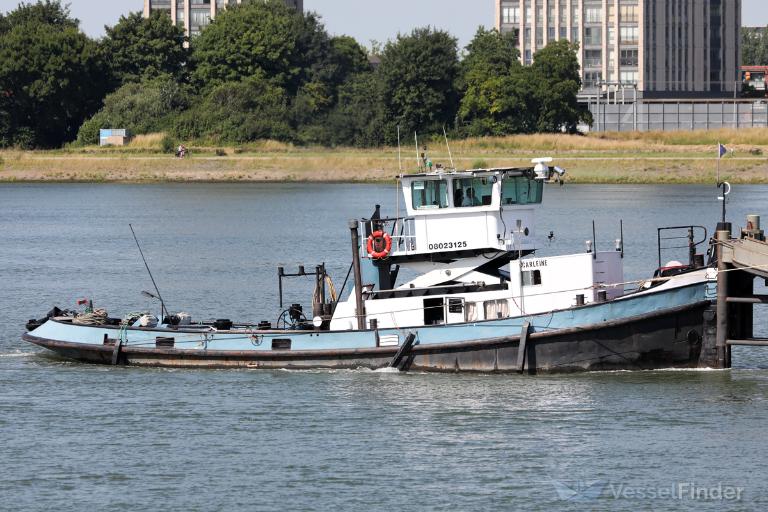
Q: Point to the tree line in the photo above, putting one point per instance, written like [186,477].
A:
[262,70]
[754,46]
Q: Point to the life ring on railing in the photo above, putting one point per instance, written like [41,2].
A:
[379,245]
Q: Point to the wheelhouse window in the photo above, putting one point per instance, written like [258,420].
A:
[468,192]
[521,190]
[427,194]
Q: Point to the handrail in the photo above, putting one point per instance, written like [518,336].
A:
[692,243]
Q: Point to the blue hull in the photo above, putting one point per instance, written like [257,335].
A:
[656,330]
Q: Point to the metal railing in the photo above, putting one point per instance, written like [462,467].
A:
[401,229]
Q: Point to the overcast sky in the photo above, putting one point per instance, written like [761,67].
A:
[365,20]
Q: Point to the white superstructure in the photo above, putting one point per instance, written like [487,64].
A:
[466,241]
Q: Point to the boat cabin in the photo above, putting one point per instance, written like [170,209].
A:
[481,210]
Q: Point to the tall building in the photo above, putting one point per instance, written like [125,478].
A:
[194,15]
[666,48]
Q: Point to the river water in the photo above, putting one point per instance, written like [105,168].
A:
[76,437]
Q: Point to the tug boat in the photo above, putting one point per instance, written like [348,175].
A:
[452,285]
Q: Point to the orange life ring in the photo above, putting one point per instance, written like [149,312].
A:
[379,245]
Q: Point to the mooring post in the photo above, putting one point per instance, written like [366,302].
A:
[359,306]
[722,237]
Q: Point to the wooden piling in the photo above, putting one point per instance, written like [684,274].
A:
[722,237]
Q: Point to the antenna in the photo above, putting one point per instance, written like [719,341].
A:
[163,310]
[450,156]
[418,159]
[399,153]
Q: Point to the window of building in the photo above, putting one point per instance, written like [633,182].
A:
[199,18]
[427,194]
[551,14]
[611,14]
[180,17]
[592,79]
[611,36]
[563,32]
[528,58]
[629,14]
[628,77]
[551,33]
[575,15]
[528,16]
[593,58]
[629,58]
[575,34]
[629,35]
[563,14]
[593,36]
[593,14]
[510,15]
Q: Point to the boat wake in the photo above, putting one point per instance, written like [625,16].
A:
[17,354]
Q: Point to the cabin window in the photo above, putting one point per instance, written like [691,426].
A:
[472,192]
[434,313]
[472,308]
[429,194]
[496,309]
[521,190]
[531,277]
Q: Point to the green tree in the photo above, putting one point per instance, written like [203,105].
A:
[500,105]
[754,46]
[498,97]
[557,79]
[238,112]
[357,118]
[143,107]
[262,40]
[419,72]
[346,59]
[43,12]
[51,76]
[489,53]
[138,48]
[314,100]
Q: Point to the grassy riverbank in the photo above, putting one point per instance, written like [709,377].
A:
[685,157]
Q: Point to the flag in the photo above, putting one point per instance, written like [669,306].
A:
[721,151]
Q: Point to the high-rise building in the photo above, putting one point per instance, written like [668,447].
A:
[194,15]
[666,48]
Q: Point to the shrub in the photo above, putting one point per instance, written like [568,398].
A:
[168,145]
[139,107]
[220,152]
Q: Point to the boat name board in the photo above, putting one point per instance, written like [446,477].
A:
[534,264]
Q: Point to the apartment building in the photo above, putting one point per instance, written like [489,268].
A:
[665,48]
[194,15]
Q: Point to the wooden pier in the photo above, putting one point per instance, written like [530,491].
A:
[740,260]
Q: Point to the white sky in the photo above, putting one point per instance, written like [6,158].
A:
[365,20]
